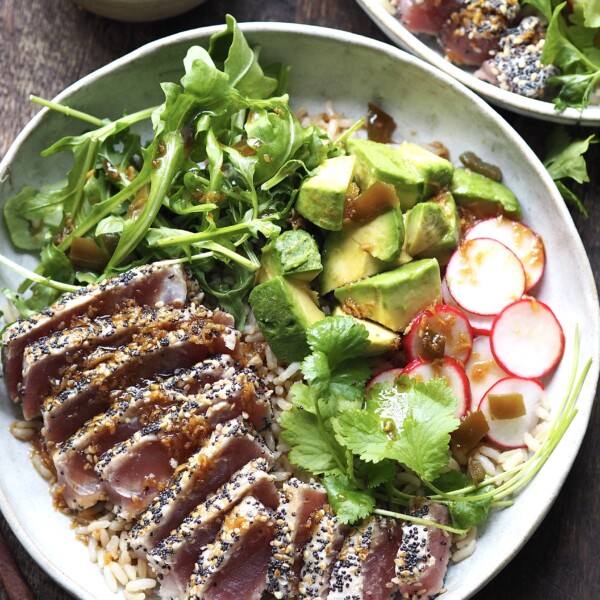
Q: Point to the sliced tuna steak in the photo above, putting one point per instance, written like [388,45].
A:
[147,285]
[135,408]
[131,480]
[174,558]
[320,552]
[89,392]
[230,447]
[364,568]
[45,359]
[423,556]
[234,566]
[292,529]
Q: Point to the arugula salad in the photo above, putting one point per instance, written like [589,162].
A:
[229,172]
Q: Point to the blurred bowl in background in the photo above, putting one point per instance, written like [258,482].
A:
[138,10]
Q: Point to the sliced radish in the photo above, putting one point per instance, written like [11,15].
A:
[480,324]
[510,433]
[527,339]
[441,328]
[449,369]
[482,370]
[484,276]
[387,376]
[519,238]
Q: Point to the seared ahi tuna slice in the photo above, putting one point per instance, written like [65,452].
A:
[324,543]
[292,528]
[147,285]
[135,408]
[174,558]
[472,33]
[234,566]
[230,447]
[425,16]
[147,355]
[45,359]
[131,480]
[423,556]
[364,568]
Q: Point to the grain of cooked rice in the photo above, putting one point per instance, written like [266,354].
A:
[140,585]
[119,573]
[109,579]
[134,595]
[25,431]
[488,466]
[41,468]
[490,452]
[465,552]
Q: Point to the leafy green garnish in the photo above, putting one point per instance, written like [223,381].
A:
[571,44]
[360,441]
[409,422]
[213,185]
[565,161]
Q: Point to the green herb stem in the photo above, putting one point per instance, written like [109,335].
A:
[65,110]
[418,521]
[31,276]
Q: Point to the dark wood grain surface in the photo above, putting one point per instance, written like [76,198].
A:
[45,45]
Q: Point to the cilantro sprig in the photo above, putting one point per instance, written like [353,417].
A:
[359,440]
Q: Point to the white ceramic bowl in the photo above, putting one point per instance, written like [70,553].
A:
[138,10]
[427,105]
[426,47]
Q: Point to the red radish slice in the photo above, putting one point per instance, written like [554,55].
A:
[449,369]
[510,433]
[387,376]
[480,324]
[441,322]
[519,238]
[482,370]
[484,276]
[527,339]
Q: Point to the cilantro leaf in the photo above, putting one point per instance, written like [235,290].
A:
[464,513]
[409,422]
[309,450]
[349,503]
[339,338]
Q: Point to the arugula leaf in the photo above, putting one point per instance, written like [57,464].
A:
[409,422]
[591,12]
[349,503]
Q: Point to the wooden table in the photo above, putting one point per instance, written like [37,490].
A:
[45,45]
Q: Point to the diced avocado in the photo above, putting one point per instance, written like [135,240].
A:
[381,339]
[415,173]
[284,308]
[383,237]
[433,229]
[393,298]
[425,226]
[485,196]
[321,197]
[294,254]
[345,261]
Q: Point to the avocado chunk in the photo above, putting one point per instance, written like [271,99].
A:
[284,309]
[393,298]
[322,196]
[486,197]
[415,173]
[294,254]
[345,260]
[381,339]
[433,228]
